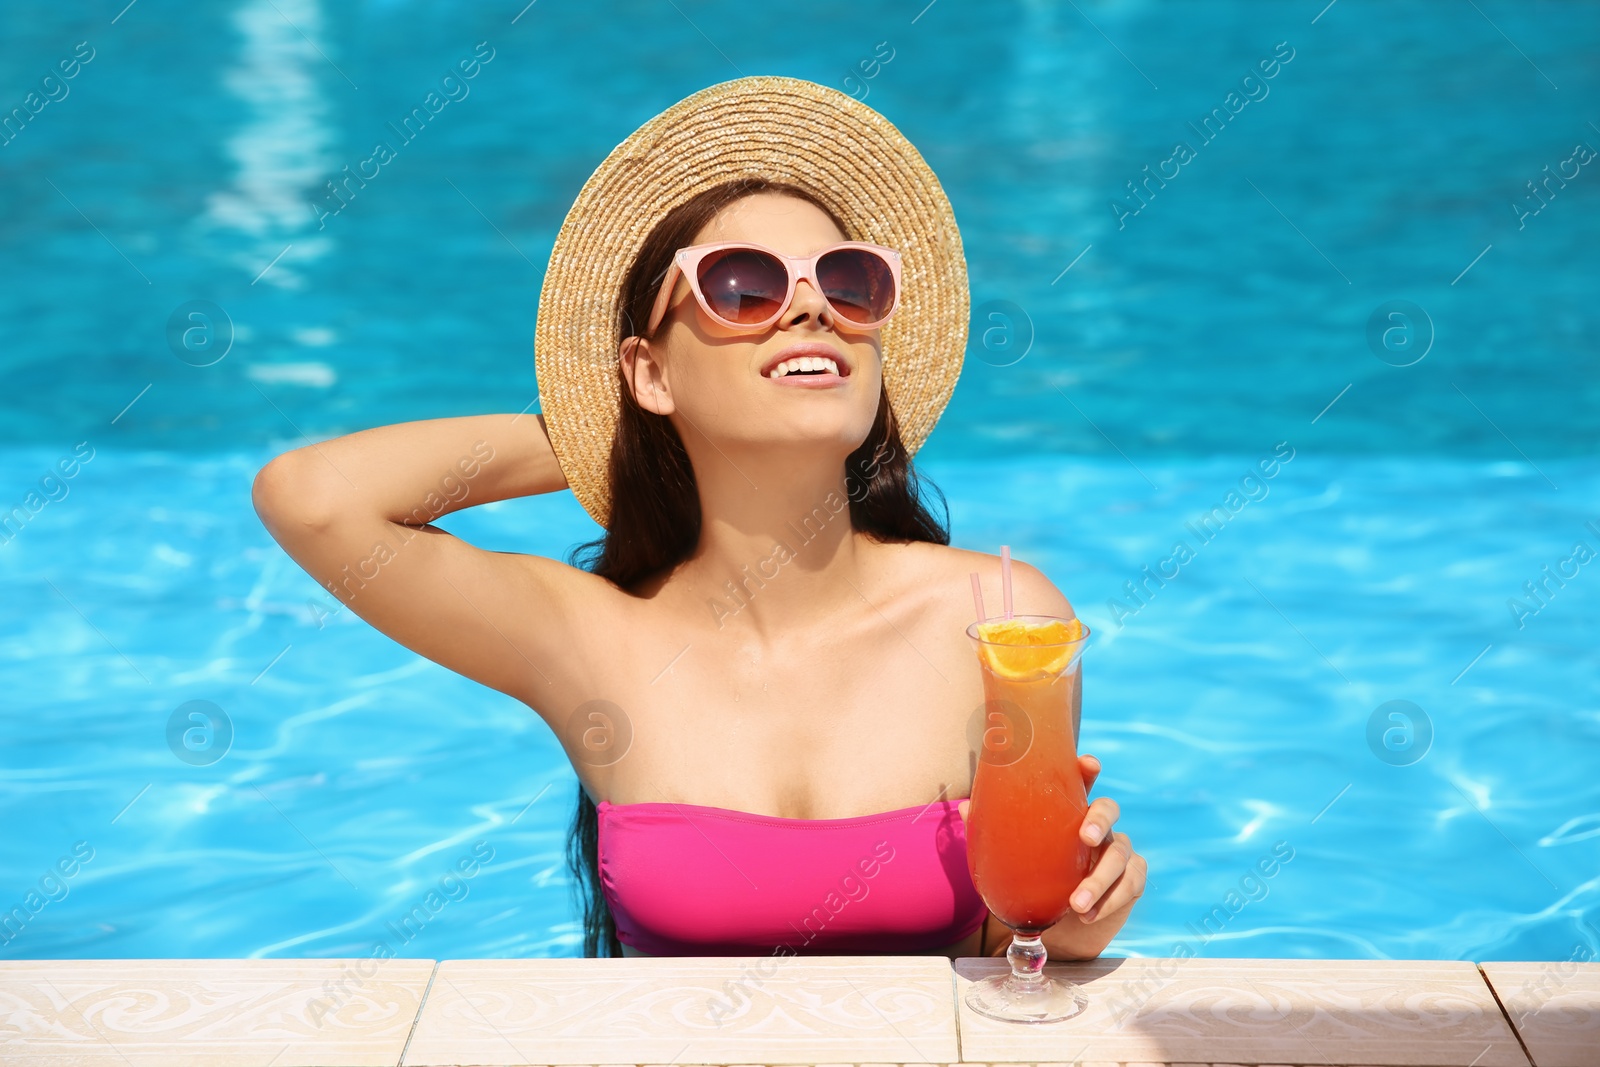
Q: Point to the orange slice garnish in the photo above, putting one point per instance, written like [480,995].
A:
[1026,652]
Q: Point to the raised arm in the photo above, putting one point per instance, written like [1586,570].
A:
[354,512]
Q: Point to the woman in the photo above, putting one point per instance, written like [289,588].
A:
[762,677]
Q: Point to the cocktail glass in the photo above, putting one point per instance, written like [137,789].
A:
[1027,807]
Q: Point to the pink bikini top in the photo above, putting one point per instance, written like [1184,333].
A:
[690,880]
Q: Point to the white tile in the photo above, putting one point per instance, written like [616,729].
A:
[208,1013]
[1255,1012]
[1555,1006]
[710,1010]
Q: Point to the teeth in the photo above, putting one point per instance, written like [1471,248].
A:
[812,363]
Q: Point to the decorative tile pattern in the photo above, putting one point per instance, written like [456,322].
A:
[853,1011]
[1405,1013]
[208,1013]
[1555,1007]
[711,1010]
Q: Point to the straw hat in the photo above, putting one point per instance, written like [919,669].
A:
[783,129]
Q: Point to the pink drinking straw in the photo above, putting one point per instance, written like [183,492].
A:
[1005,577]
[977,596]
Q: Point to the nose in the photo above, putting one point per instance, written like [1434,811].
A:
[808,303]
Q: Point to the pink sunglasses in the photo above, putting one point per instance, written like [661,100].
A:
[748,287]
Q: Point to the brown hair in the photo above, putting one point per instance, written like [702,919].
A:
[655,507]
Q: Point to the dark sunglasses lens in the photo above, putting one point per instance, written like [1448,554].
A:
[858,283]
[743,285]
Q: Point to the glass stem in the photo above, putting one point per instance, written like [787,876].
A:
[1026,954]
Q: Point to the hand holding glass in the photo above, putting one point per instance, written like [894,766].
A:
[1028,805]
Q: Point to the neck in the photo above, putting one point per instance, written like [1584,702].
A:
[777,549]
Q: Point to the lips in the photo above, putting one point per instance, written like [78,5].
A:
[815,349]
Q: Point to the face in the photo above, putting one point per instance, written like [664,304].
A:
[716,379]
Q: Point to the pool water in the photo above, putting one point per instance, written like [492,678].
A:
[1341,678]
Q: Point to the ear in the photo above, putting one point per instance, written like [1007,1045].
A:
[645,375]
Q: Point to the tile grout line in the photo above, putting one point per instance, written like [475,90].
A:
[417,1021]
[955,1002]
[1504,1013]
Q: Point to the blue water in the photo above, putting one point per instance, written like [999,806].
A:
[1230,705]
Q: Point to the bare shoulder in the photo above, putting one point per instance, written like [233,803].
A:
[1032,591]
[944,573]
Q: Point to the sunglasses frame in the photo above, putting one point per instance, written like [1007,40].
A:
[686,262]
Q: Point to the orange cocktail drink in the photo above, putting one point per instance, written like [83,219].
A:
[1028,804]
[1027,862]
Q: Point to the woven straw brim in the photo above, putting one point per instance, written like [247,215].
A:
[783,129]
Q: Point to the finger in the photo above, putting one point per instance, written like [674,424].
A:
[1109,868]
[1089,767]
[962,808]
[1123,892]
[1124,886]
[1097,821]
